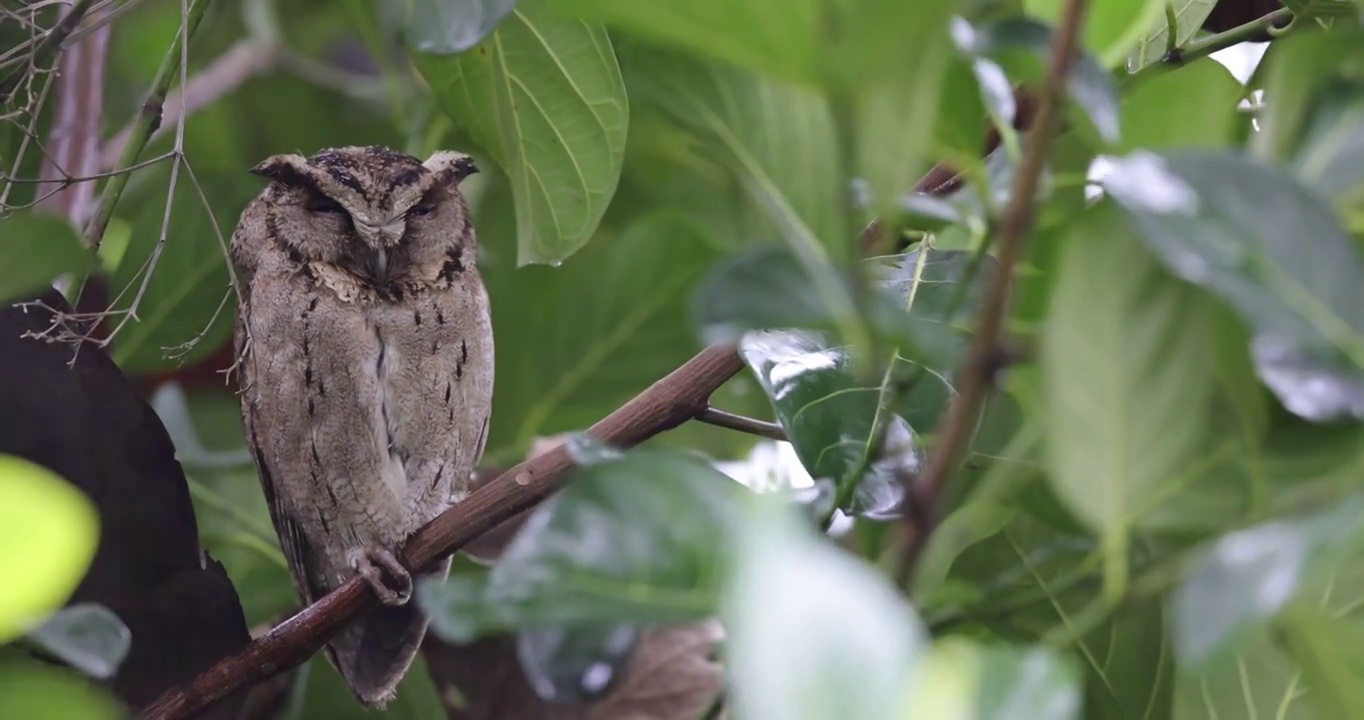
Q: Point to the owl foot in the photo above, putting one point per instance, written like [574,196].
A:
[376,565]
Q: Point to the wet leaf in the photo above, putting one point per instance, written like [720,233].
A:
[87,636]
[34,249]
[50,530]
[1126,374]
[544,97]
[1271,249]
[575,665]
[1089,85]
[637,539]
[444,26]
[1247,577]
[846,642]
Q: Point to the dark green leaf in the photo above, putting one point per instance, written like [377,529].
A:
[89,637]
[1151,48]
[638,538]
[34,249]
[544,97]
[1274,252]
[575,665]
[1126,374]
[1249,575]
[1089,85]
[178,317]
[845,641]
[444,26]
[576,341]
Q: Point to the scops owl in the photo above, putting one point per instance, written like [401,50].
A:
[366,355]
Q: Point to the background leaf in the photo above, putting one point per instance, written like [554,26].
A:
[544,97]
[34,249]
[87,636]
[445,26]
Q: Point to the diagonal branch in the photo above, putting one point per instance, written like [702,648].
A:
[678,397]
[45,49]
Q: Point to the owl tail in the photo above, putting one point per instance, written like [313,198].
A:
[374,653]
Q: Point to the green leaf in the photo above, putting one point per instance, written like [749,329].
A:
[48,534]
[1331,157]
[544,97]
[1308,9]
[1328,652]
[1248,576]
[1111,27]
[1273,251]
[637,537]
[1089,85]
[749,123]
[181,317]
[1195,106]
[962,680]
[34,249]
[845,641]
[1126,374]
[34,690]
[604,326]
[1298,69]
[444,26]
[776,39]
[1152,47]
[89,637]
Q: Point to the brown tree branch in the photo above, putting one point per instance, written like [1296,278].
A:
[678,397]
[977,374]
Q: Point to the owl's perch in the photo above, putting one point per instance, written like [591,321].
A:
[680,396]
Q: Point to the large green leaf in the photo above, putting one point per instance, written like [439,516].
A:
[444,26]
[34,249]
[184,298]
[1328,654]
[1272,250]
[960,680]
[640,536]
[1126,375]
[48,534]
[1331,157]
[36,690]
[1195,106]
[812,632]
[544,97]
[1297,71]
[574,342]
[1152,47]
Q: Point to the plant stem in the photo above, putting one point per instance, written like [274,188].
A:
[46,49]
[731,421]
[1203,47]
[977,374]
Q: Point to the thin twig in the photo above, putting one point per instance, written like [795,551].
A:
[45,49]
[682,395]
[732,421]
[977,374]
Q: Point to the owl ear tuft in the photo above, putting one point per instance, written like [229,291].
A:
[452,166]
[289,169]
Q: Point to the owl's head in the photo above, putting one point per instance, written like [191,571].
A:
[373,212]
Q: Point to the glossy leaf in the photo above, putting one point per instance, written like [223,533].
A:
[1126,374]
[1248,576]
[638,538]
[1194,107]
[1271,249]
[1089,85]
[576,341]
[89,637]
[544,97]
[960,680]
[176,321]
[444,26]
[845,640]
[1152,47]
[34,249]
[49,533]
[1111,28]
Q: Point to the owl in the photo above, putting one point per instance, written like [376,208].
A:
[365,351]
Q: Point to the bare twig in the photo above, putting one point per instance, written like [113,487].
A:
[977,374]
[51,42]
[682,395]
[731,421]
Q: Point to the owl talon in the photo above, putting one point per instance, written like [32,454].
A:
[377,565]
